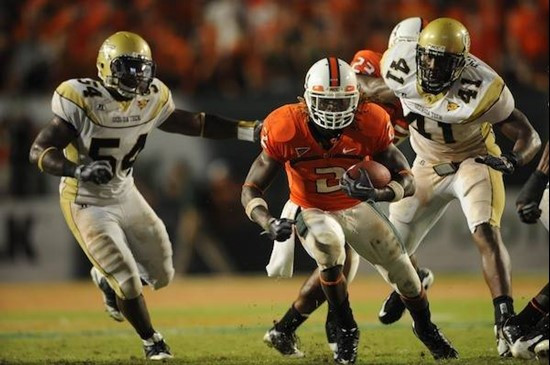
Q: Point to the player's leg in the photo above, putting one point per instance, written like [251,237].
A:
[151,248]
[374,238]
[97,230]
[413,217]
[310,297]
[324,240]
[480,191]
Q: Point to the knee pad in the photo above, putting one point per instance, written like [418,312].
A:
[324,238]
[166,276]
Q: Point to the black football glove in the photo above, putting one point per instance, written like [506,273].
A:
[529,213]
[279,229]
[98,172]
[360,188]
[505,163]
[530,195]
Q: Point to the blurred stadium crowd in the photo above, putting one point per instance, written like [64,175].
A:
[235,47]
[215,50]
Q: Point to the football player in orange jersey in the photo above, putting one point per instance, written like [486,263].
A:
[317,140]
[366,64]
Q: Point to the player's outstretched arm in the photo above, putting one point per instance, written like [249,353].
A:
[47,149]
[261,174]
[210,126]
[375,90]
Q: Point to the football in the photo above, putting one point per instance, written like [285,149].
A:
[379,175]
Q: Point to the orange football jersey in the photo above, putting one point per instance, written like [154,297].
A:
[367,62]
[314,173]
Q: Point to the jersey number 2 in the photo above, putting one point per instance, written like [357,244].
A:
[127,162]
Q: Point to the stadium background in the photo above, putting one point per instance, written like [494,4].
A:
[241,59]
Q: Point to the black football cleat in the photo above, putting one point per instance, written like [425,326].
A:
[524,347]
[347,341]
[433,339]
[156,349]
[285,343]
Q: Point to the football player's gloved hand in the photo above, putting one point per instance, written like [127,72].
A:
[530,195]
[279,229]
[529,213]
[505,163]
[249,130]
[360,188]
[98,172]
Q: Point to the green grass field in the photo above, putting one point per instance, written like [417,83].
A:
[222,321]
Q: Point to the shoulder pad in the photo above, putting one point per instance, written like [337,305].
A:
[281,124]
[367,62]
[73,90]
[371,117]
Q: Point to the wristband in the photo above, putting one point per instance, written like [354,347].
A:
[41,157]
[398,190]
[253,204]
[245,130]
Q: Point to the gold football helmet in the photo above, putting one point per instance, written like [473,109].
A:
[124,63]
[441,54]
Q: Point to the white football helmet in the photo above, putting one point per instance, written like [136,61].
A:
[331,93]
[406,30]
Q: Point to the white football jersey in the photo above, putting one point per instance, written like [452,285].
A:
[450,126]
[110,130]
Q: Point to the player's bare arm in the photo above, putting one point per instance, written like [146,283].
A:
[261,174]
[47,148]
[517,128]
[400,170]
[526,140]
[209,126]
[374,89]
[47,153]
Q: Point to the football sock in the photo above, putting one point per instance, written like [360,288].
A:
[535,309]
[290,321]
[419,308]
[504,308]
[135,311]
[343,314]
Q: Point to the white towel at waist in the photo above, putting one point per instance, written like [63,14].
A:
[281,263]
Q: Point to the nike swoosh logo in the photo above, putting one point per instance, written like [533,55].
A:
[348,150]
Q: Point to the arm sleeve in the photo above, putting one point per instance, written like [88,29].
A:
[165,101]
[69,105]
[501,109]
